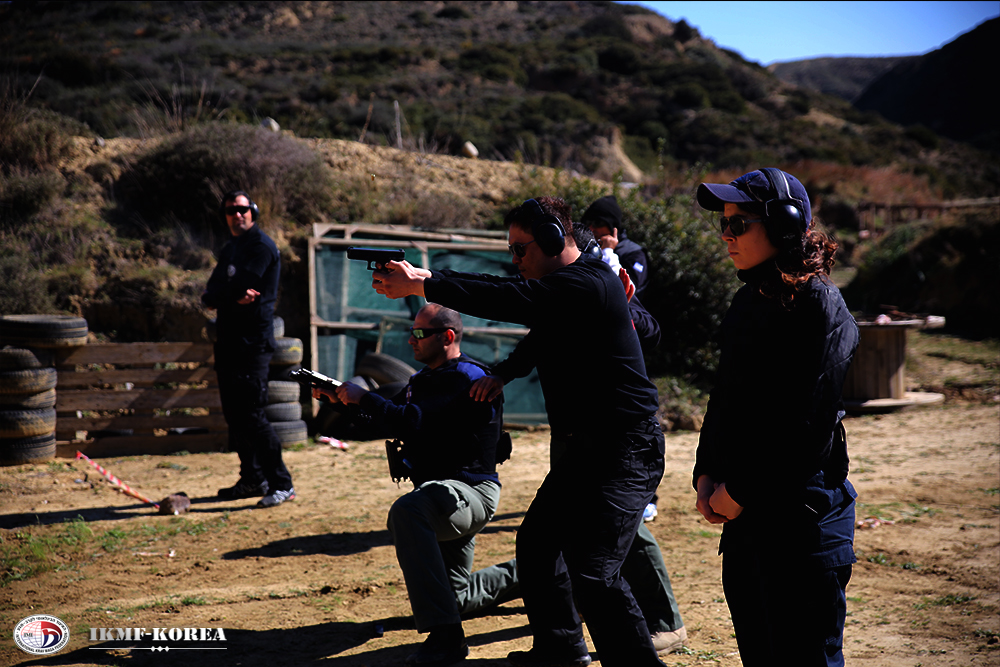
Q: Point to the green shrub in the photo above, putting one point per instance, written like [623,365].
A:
[620,58]
[23,194]
[691,281]
[923,136]
[453,12]
[939,269]
[181,181]
[19,267]
[31,139]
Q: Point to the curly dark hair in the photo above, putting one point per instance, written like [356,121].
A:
[798,263]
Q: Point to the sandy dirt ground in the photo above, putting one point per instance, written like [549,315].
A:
[312,581]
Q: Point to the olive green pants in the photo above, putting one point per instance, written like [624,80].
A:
[434,531]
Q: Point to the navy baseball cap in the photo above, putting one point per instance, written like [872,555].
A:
[755,189]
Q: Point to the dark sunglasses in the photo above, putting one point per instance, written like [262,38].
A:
[422,333]
[737,224]
[519,249]
[233,209]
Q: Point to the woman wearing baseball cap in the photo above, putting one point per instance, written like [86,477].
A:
[772,457]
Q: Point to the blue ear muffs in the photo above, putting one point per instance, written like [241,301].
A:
[546,228]
[784,216]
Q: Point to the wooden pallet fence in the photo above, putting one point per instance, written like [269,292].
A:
[137,398]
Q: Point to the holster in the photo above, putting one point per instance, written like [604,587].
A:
[398,468]
[504,448]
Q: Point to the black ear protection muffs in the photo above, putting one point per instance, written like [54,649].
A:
[230,196]
[784,216]
[546,228]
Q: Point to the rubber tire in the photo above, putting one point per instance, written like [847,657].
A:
[25,423]
[283,412]
[17,358]
[28,381]
[43,330]
[279,391]
[279,327]
[44,399]
[384,369]
[281,373]
[32,449]
[291,433]
[287,352]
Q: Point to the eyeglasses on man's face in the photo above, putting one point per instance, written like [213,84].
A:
[738,224]
[519,249]
[421,333]
[233,209]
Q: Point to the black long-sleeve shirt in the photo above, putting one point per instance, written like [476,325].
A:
[525,355]
[248,261]
[589,364]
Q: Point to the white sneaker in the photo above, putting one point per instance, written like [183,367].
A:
[276,497]
[649,513]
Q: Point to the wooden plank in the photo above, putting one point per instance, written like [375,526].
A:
[139,377]
[135,354]
[139,423]
[145,445]
[137,399]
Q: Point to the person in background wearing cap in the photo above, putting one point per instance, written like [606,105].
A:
[772,457]
[604,217]
[569,301]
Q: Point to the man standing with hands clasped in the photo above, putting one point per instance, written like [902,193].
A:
[617,459]
[243,289]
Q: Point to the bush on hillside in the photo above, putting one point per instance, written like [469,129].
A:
[181,181]
[17,268]
[691,279]
[942,269]
[690,285]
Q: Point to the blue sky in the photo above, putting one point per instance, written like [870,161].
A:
[768,32]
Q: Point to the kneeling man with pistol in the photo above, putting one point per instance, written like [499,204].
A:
[450,445]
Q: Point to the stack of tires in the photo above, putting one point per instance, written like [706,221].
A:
[284,409]
[28,383]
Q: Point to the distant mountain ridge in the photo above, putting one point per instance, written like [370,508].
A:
[950,90]
[947,90]
[845,78]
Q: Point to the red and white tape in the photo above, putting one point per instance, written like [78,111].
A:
[125,488]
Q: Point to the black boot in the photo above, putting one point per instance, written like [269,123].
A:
[445,645]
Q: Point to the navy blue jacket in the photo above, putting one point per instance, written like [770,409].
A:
[250,260]
[772,427]
[446,433]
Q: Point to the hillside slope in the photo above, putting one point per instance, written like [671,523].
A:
[845,78]
[947,90]
[594,87]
